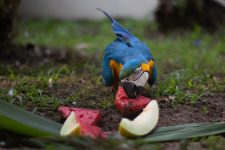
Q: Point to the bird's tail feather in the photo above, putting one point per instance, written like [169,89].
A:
[107,15]
[121,32]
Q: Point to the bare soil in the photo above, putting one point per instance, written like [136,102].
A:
[210,108]
[110,119]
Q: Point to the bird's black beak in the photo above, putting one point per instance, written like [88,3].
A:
[131,89]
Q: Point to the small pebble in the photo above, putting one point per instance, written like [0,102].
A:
[50,83]
[2,143]
[11,92]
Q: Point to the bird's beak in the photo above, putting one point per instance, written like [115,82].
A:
[131,89]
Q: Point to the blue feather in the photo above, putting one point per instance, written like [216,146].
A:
[122,33]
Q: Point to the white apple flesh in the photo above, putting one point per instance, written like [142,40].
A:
[143,124]
[70,126]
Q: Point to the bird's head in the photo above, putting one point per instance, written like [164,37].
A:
[134,75]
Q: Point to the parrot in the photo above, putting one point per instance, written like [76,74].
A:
[127,61]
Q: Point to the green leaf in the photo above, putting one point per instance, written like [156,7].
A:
[24,122]
[18,120]
[179,132]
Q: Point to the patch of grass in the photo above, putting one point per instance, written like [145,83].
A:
[29,92]
[187,85]
[69,34]
[49,86]
[189,63]
[215,142]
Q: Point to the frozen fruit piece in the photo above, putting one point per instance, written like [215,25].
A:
[87,116]
[128,106]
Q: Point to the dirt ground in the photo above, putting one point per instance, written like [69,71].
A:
[209,108]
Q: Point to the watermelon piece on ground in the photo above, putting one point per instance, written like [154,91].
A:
[87,116]
[88,120]
[92,131]
[128,106]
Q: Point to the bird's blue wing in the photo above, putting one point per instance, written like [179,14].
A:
[107,73]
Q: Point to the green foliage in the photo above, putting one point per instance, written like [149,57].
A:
[70,34]
[28,92]
[179,132]
[20,121]
[215,142]
[189,64]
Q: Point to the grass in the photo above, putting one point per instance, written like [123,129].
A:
[189,63]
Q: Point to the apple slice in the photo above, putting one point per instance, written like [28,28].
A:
[70,126]
[143,123]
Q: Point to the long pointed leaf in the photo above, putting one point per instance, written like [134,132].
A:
[24,122]
[186,131]
[21,121]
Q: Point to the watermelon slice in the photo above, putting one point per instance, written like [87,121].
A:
[87,119]
[87,116]
[92,131]
[128,106]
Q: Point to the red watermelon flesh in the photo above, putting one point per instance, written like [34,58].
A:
[92,131]
[87,116]
[88,119]
[128,106]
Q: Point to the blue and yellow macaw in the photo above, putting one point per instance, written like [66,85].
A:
[127,61]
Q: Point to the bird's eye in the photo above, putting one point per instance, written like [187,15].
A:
[127,79]
[137,74]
